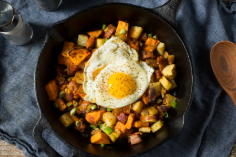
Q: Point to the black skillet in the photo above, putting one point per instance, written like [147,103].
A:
[160,21]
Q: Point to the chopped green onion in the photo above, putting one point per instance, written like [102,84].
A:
[102,145]
[150,35]
[108,130]
[113,137]
[104,26]
[105,39]
[117,34]
[61,94]
[55,105]
[154,37]
[81,91]
[166,115]
[77,123]
[159,101]
[70,78]
[75,103]
[122,31]
[173,104]
[72,112]
[69,104]
[93,107]
[109,109]
[93,126]
[101,125]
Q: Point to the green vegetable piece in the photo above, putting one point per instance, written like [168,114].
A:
[55,105]
[173,104]
[166,115]
[122,31]
[150,35]
[72,112]
[154,37]
[69,104]
[70,78]
[109,109]
[113,137]
[102,145]
[104,26]
[105,39]
[93,107]
[117,34]
[93,126]
[61,94]
[108,130]
[77,123]
[75,104]
[100,125]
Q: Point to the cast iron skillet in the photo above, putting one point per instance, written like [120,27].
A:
[92,18]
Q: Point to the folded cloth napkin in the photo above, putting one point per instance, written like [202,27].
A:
[210,125]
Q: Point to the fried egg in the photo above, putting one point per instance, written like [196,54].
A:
[113,77]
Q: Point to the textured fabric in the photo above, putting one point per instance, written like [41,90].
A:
[210,126]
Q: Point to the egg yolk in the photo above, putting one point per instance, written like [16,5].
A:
[121,85]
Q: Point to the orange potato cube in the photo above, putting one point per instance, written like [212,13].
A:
[94,117]
[52,89]
[64,60]
[81,92]
[100,138]
[134,45]
[130,121]
[139,124]
[61,105]
[151,44]
[120,126]
[118,111]
[122,25]
[90,42]
[67,46]
[78,55]
[95,33]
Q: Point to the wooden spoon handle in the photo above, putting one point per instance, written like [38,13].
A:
[223,62]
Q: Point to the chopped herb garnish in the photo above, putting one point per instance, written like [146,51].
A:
[102,145]
[154,37]
[61,94]
[109,109]
[75,103]
[93,126]
[173,104]
[77,123]
[122,31]
[55,105]
[117,34]
[166,115]
[105,39]
[69,104]
[108,130]
[72,112]
[104,26]
[93,107]
[150,35]
[112,137]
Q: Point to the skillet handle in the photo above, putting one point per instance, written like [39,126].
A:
[37,134]
[168,11]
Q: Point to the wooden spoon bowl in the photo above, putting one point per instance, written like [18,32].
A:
[223,63]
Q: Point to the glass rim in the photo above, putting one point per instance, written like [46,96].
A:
[13,15]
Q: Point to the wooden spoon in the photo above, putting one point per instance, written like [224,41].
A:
[223,63]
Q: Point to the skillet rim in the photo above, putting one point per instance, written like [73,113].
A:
[42,114]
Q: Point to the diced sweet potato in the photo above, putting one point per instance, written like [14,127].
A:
[162,62]
[130,121]
[64,60]
[120,126]
[67,47]
[158,74]
[145,97]
[78,55]
[91,42]
[151,44]
[52,89]
[72,69]
[81,92]
[139,124]
[94,117]
[122,25]
[83,105]
[95,33]
[110,29]
[126,134]
[134,45]
[147,54]
[100,138]
[117,111]
[75,118]
[61,104]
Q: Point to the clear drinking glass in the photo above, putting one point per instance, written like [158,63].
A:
[48,5]
[13,27]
